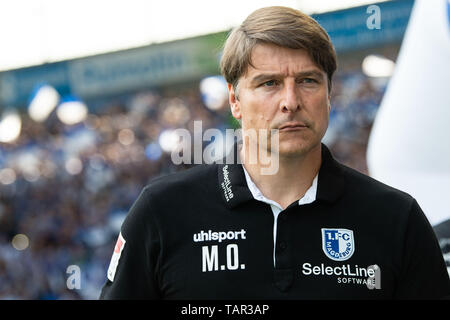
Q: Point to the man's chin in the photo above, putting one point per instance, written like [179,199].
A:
[295,150]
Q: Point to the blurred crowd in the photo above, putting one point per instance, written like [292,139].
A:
[66,189]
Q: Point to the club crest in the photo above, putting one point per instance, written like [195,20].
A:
[338,244]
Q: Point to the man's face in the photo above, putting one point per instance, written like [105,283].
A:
[284,90]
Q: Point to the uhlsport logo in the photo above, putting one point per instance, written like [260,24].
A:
[338,244]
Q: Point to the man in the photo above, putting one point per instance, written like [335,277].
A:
[313,229]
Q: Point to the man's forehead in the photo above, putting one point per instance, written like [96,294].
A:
[273,59]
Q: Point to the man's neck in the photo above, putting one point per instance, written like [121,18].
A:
[291,181]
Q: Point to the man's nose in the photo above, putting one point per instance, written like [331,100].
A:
[291,100]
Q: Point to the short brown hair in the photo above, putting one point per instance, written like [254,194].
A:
[282,26]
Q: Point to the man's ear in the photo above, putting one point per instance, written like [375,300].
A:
[234,102]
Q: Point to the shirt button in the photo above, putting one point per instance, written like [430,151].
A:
[282,245]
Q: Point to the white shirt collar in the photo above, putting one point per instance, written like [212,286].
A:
[309,197]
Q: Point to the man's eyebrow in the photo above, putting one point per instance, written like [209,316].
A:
[268,76]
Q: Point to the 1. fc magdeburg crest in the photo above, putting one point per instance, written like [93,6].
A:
[338,244]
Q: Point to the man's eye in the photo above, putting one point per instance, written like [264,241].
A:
[270,83]
[309,80]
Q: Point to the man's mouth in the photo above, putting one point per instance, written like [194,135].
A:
[292,126]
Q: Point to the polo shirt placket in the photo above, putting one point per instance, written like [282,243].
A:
[284,275]
[331,187]
[308,197]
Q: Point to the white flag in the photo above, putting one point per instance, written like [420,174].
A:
[409,146]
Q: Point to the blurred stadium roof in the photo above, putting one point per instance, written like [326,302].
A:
[40,31]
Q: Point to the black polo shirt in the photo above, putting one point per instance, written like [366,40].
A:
[200,234]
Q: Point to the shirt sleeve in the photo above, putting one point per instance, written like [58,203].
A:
[423,273]
[132,270]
